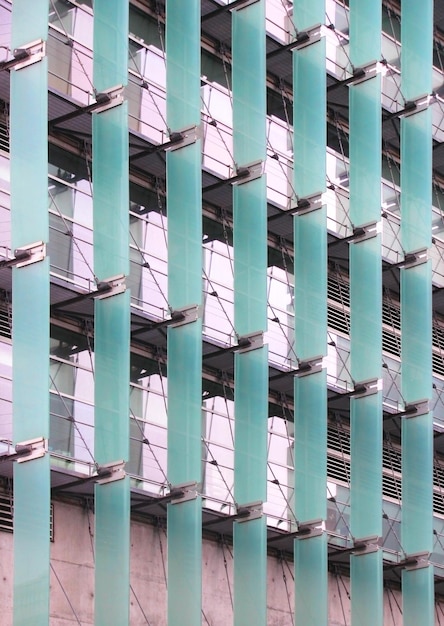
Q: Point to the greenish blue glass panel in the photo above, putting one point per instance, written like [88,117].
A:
[185,563]
[417,484]
[366,465]
[111,192]
[248,76]
[112,549]
[111,388]
[367,600]
[31,351]
[31,542]
[250,425]
[309,126]
[365,31]
[250,256]
[310,446]
[184,402]
[110,43]
[29,154]
[307,13]
[417,42]
[416,181]
[29,22]
[250,572]
[183,63]
[184,193]
[365,151]
[365,305]
[418,597]
[416,332]
[310,283]
[311,581]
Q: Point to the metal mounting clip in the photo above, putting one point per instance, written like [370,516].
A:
[364,232]
[310,366]
[184,137]
[412,107]
[249,511]
[307,37]
[185,315]
[26,255]
[246,173]
[31,449]
[309,203]
[25,55]
[416,560]
[367,71]
[183,492]
[110,472]
[246,343]
[311,528]
[108,98]
[366,545]
[366,388]
[242,4]
[415,409]
[418,257]
[110,287]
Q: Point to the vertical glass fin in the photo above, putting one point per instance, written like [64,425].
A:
[311,581]
[367,590]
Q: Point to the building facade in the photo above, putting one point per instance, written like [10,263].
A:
[222,313]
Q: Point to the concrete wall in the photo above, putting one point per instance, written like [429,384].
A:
[72,579]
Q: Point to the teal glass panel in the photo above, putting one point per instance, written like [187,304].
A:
[110,43]
[367,603]
[250,572]
[185,563]
[183,63]
[111,389]
[310,446]
[184,402]
[365,32]
[366,465]
[417,484]
[112,549]
[416,332]
[311,581]
[111,192]
[250,256]
[31,351]
[416,182]
[248,75]
[310,284]
[29,154]
[308,13]
[417,42]
[365,151]
[29,22]
[309,105]
[417,597]
[184,187]
[31,542]
[365,305]
[250,425]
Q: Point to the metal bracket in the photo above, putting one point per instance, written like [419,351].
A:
[364,232]
[246,343]
[307,37]
[110,287]
[31,449]
[366,545]
[26,255]
[412,259]
[367,388]
[312,528]
[248,512]
[416,560]
[308,204]
[367,71]
[422,103]
[310,366]
[185,315]
[246,173]
[184,137]
[243,5]
[25,55]
[108,98]
[110,472]
[184,491]
[415,409]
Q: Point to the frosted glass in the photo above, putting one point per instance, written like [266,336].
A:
[110,43]
[250,425]
[112,548]
[311,581]
[184,403]
[365,31]
[248,76]
[250,572]
[183,63]
[417,42]
[310,446]
[184,563]
[367,589]
[417,597]
[29,22]
[308,13]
